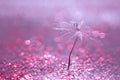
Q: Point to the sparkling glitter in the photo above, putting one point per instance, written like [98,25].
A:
[27,42]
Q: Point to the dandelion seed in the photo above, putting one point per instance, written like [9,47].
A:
[77,31]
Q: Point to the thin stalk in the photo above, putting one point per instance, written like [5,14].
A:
[69,61]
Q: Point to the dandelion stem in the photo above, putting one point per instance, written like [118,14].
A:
[69,61]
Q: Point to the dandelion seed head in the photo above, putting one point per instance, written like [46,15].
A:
[72,29]
[79,29]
